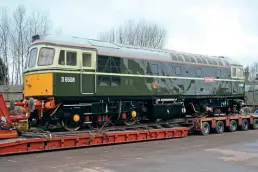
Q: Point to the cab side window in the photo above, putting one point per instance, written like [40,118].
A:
[237,72]
[71,58]
[32,57]
[86,60]
[234,74]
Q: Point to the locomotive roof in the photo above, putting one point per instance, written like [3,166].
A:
[123,50]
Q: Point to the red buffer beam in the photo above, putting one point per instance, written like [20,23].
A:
[25,145]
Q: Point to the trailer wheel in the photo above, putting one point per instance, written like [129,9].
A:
[255,124]
[245,125]
[233,126]
[219,127]
[205,130]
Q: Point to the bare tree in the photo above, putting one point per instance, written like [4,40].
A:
[21,27]
[4,41]
[38,23]
[18,39]
[141,33]
[3,73]
[253,71]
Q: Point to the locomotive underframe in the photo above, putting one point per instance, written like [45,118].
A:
[73,115]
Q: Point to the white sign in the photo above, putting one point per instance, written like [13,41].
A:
[67,79]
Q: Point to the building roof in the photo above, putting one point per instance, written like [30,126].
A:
[122,50]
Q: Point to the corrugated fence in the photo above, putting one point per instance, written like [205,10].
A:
[11,92]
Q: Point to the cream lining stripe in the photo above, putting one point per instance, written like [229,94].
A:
[132,75]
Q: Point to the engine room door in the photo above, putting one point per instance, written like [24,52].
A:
[255,102]
[88,72]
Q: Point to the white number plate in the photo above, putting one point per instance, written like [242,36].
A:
[67,79]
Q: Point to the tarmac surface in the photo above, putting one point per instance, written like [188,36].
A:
[231,152]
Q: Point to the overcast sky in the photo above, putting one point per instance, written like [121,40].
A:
[215,27]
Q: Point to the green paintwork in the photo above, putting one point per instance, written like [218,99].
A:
[127,77]
[131,85]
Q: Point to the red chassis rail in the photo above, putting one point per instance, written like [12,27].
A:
[26,145]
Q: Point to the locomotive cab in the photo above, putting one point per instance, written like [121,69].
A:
[51,70]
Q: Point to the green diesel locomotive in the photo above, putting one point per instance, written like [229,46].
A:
[75,82]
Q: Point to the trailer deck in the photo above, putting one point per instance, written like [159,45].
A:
[44,141]
[34,142]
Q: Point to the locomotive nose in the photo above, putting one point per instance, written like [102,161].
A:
[38,84]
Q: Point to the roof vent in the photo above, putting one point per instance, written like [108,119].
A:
[35,37]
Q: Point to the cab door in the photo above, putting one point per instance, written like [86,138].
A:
[88,71]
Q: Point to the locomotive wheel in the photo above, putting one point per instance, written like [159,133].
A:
[219,127]
[205,130]
[72,123]
[233,126]
[245,125]
[255,124]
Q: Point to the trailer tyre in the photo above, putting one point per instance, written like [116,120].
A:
[245,125]
[255,124]
[233,126]
[205,130]
[219,127]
